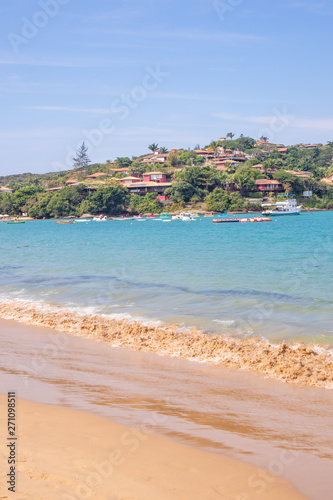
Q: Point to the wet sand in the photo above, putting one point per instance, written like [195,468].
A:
[284,429]
[310,365]
[65,454]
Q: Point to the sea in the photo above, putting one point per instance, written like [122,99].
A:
[269,280]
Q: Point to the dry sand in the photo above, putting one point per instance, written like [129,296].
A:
[304,364]
[65,455]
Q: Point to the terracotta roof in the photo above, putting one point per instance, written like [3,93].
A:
[260,182]
[150,173]
[123,169]
[96,174]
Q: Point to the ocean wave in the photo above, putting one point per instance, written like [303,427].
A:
[298,363]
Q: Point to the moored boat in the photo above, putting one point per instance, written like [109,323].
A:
[252,219]
[288,207]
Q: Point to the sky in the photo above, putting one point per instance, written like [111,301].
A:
[122,74]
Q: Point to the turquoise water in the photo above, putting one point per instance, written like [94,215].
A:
[270,280]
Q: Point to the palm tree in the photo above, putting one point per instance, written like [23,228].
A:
[164,150]
[264,138]
[214,146]
[153,147]
[230,135]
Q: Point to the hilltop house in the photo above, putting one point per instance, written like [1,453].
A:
[155,158]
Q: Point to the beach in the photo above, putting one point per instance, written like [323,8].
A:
[270,439]
[208,340]
[74,455]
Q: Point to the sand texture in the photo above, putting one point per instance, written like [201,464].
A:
[65,455]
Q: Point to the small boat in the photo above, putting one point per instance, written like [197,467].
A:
[254,219]
[288,207]
[187,218]
[16,222]
[209,215]
[65,222]
[123,218]
[100,219]
[82,220]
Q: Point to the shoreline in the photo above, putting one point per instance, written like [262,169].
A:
[310,365]
[76,455]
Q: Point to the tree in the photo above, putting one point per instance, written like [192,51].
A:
[164,150]
[82,159]
[220,200]
[148,203]
[110,199]
[264,138]
[123,162]
[137,168]
[153,147]
[230,135]
[180,191]
[244,178]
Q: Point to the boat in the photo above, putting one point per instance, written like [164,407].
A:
[100,219]
[187,218]
[288,207]
[65,222]
[253,219]
[209,215]
[16,222]
[124,218]
[82,220]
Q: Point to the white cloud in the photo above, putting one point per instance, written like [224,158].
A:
[99,111]
[290,120]
[315,7]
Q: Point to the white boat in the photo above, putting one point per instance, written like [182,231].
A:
[100,219]
[187,218]
[82,220]
[288,207]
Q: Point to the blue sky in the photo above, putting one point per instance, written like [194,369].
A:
[122,74]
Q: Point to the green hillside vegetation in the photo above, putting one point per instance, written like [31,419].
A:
[195,182]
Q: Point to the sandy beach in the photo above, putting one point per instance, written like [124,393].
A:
[65,454]
[183,424]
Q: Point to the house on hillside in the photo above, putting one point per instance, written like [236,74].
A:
[328,180]
[283,151]
[258,167]
[309,146]
[300,173]
[123,170]
[130,179]
[155,158]
[4,189]
[72,182]
[154,177]
[142,188]
[96,175]
[207,155]
[269,186]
